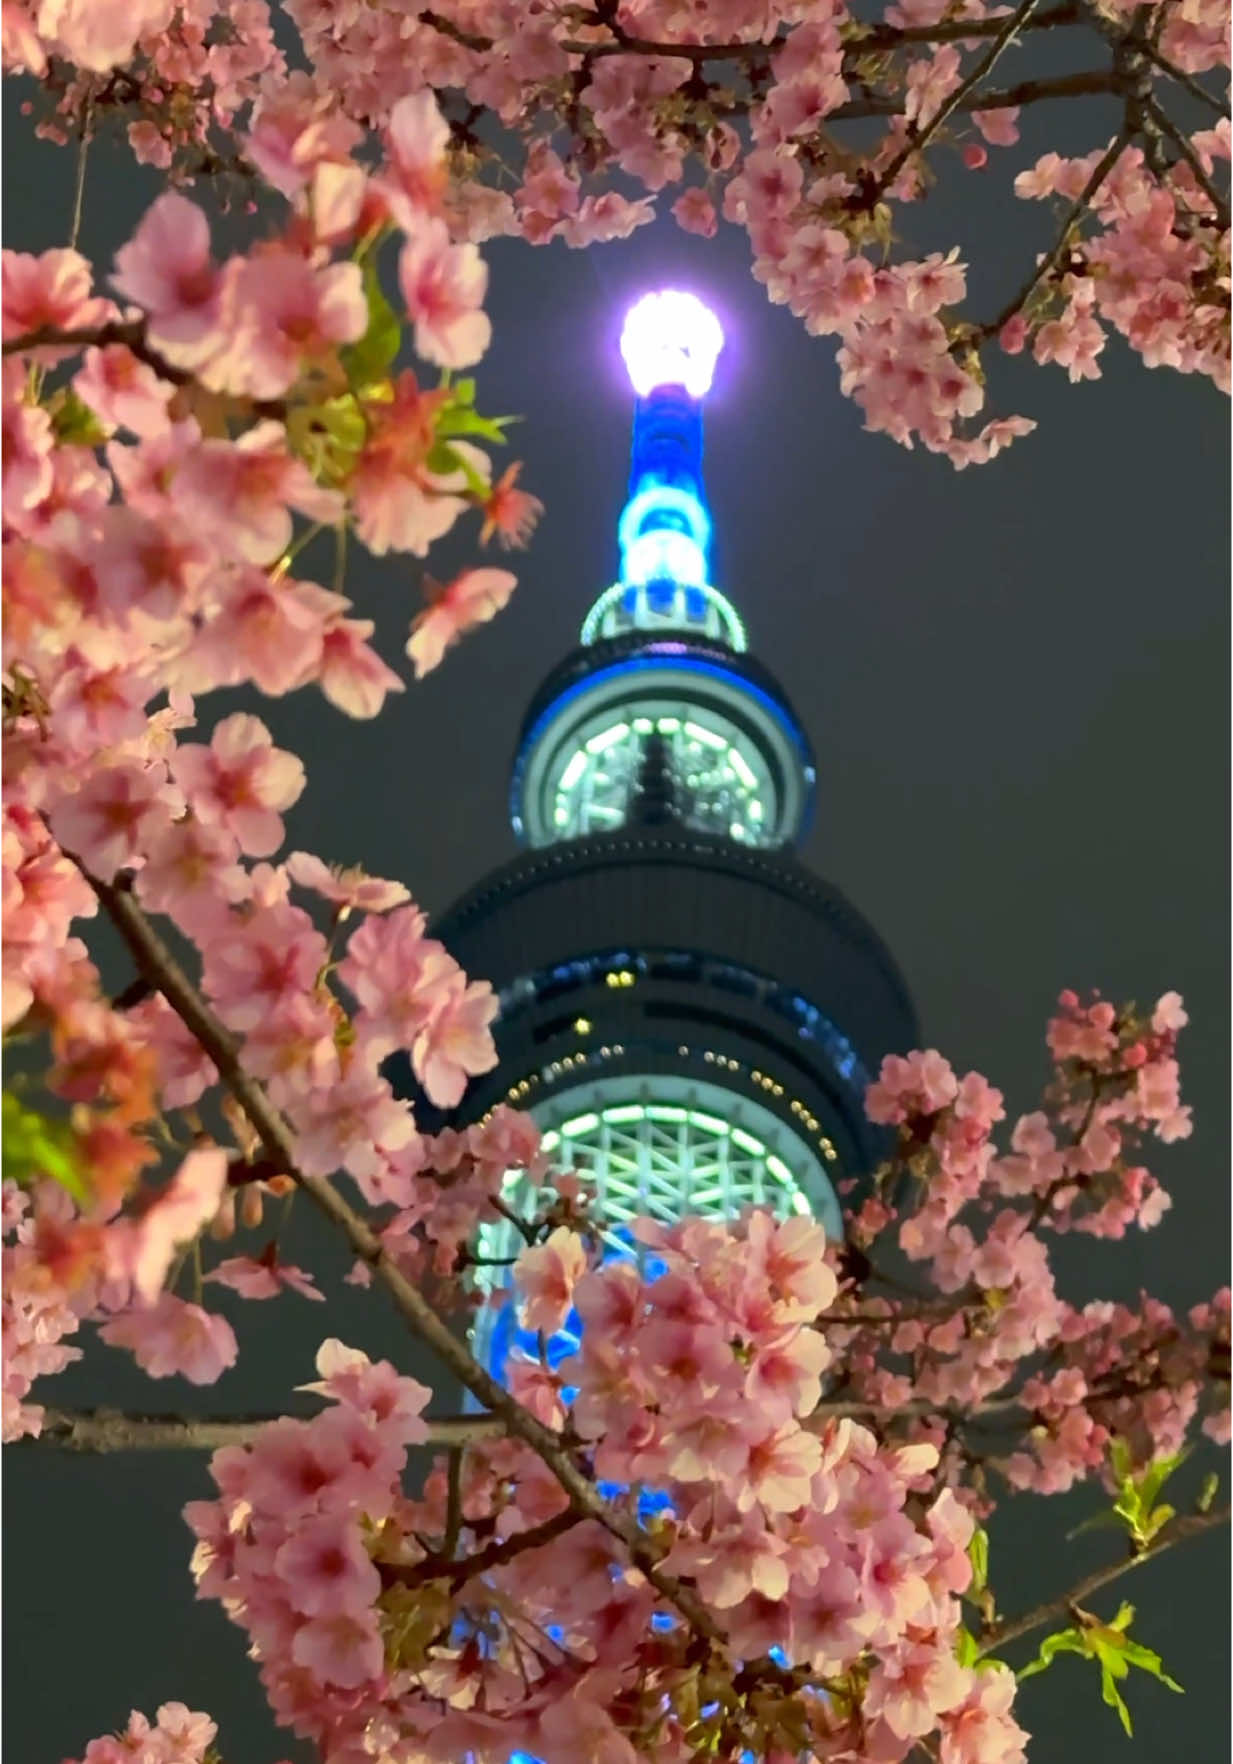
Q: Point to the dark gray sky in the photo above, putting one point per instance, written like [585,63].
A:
[1016,682]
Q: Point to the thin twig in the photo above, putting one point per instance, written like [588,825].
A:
[1177,1531]
[918,138]
[1052,258]
[453,1505]
[1218,202]
[79,182]
[1185,80]
[481,1561]
[1076,85]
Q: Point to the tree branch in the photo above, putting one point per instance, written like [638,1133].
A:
[880,36]
[481,1561]
[109,1430]
[1050,261]
[1076,85]
[156,961]
[132,335]
[918,138]
[1184,80]
[1218,202]
[1177,1531]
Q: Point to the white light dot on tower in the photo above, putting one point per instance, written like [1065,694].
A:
[671,339]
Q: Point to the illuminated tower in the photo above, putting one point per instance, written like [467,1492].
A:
[689,1014]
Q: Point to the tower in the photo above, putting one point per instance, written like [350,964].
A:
[689,1014]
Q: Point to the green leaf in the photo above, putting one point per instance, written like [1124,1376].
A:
[1112,1650]
[370,359]
[1109,1520]
[1208,1492]
[1136,1505]
[967,1651]
[978,1556]
[73,422]
[36,1148]
[1065,1641]
[443,459]
[463,421]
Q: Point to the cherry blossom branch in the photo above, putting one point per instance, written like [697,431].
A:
[959,30]
[481,1561]
[1185,80]
[1177,1531]
[1076,85]
[156,961]
[1218,202]
[877,36]
[131,333]
[110,1430]
[1052,258]
[919,137]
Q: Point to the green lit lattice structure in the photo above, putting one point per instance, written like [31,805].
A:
[683,1149]
[721,780]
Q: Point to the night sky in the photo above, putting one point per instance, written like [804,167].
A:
[1015,679]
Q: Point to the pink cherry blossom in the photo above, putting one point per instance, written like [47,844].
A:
[546,1277]
[263,1279]
[189,1201]
[373,1389]
[241,782]
[293,314]
[341,1648]
[326,1570]
[52,290]
[172,1337]
[470,599]
[349,889]
[351,673]
[443,286]
[122,392]
[167,269]
[115,815]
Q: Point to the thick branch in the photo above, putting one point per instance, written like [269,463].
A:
[108,1430]
[481,1561]
[881,36]
[918,138]
[156,961]
[1076,85]
[1178,1531]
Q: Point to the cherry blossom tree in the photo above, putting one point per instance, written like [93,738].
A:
[748,1517]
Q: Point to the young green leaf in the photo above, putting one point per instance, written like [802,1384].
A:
[35,1148]
[1112,1649]
[369,360]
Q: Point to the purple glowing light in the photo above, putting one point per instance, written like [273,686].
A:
[671,339]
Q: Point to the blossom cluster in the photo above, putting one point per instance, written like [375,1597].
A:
[177,1735]
[167,457]
[737,113]
[834,1585]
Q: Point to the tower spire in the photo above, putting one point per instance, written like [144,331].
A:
[670,344]
[661,713]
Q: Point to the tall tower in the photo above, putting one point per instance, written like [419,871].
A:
[688,1013]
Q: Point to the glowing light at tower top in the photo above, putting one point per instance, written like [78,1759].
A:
[671,339]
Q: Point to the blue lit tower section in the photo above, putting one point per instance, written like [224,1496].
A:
[690,1014]
[663,650]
